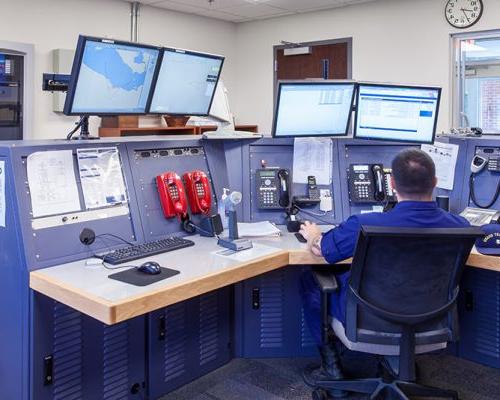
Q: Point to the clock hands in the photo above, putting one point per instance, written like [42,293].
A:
[464,11]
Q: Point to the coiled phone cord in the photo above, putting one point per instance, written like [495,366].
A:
[473,193]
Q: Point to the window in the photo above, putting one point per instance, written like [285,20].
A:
[476,89]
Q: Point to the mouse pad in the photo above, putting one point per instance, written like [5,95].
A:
[134,277]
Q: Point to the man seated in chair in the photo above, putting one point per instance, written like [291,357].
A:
[413,179]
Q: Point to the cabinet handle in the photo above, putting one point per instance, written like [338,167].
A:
[48,370]
[255,298]
[162,329]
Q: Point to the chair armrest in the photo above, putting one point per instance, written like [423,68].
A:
[325,279]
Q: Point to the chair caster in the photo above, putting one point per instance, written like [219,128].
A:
[320,394]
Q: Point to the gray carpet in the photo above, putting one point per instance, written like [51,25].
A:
[279,379]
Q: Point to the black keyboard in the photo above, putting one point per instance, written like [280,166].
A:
[132,253]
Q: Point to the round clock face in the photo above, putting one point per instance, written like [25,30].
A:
[463,13]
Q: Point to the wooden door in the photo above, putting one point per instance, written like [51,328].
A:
[312,65]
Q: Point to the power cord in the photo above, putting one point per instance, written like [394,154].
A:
[78,126]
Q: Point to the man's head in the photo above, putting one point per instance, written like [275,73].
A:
[413,175]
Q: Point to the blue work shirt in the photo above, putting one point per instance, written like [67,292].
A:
[340,242]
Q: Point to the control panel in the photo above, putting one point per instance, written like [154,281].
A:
[492,155]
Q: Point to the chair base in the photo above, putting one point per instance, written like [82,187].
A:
[379,389]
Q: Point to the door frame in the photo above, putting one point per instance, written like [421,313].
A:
[347,40]
[27,51]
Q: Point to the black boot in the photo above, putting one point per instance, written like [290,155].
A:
[329,370]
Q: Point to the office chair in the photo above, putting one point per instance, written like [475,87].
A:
[401,301]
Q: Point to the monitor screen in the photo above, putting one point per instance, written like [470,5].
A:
[313,109]
[110,77]
[398,113]
[186,83]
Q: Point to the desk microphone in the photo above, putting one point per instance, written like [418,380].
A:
[233,199]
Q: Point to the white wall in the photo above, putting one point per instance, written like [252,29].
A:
[51,24]
[405,41]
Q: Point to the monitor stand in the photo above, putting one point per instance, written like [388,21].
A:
[225,132]
[83,125]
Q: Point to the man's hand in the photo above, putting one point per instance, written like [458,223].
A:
[312,234]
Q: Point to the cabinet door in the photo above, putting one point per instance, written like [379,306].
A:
[273,322]
[76,357]
[480,317]
[188,340]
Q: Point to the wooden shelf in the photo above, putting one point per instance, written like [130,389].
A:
[106,131]
[168,130]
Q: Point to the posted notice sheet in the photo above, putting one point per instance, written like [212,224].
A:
[445,157]
[102,177]
[52,183]
[312,156]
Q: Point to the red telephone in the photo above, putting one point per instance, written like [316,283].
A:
[172,195]
[198,191]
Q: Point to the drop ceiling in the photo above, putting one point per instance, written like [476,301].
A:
[247,10]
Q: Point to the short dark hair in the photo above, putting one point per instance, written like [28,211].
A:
[414,173]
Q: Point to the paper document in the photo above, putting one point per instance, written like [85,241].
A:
[102,177]
[312,156]
[2,194]
[257,229]
[445,158]
[52,183]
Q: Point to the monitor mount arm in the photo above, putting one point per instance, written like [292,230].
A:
[60,83]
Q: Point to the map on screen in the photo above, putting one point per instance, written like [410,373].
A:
[114,78]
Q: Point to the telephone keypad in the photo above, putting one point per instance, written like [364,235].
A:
[174,192]
[199,189]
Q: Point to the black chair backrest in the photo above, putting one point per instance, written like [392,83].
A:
[406,276]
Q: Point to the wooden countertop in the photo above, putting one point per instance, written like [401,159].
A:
[89,290]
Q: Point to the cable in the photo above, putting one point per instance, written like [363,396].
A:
[324,214]
[473,193]
[120,267]
[116,237]
[315,216]
[78,126]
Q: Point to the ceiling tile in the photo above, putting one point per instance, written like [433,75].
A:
[301,5]
[191,9]
[247,10]
[254,10]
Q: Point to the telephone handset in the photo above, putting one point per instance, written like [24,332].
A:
[378,177]
[284,198]
[273,188]
[370,183]
[172,195]
[198,191]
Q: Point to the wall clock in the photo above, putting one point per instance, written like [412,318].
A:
[463,13]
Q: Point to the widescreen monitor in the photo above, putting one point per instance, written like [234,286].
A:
[186,83]
[313,108]
[111,77]
[397,113]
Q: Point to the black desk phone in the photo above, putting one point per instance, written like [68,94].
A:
[370,183]
[313,194]
[273,188]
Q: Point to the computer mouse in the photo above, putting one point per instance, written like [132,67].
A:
[150,268]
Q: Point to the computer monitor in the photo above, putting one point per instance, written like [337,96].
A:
[313,108]
[397,113]
[111,77]
[186,83]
